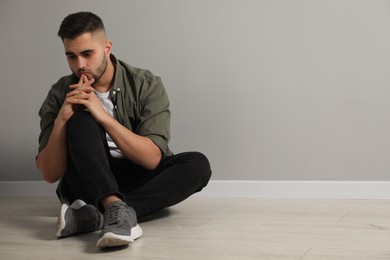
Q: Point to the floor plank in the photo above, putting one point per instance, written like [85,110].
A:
[212,228]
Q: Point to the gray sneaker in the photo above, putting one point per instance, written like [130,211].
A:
[78,218]
[120,226]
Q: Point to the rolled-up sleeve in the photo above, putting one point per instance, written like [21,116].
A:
[50,109]
[154,113]
[47,113]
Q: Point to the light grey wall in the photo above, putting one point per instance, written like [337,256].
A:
[268,90]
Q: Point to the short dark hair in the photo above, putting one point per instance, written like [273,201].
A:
[78,23]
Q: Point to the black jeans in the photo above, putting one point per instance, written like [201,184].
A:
[93,174]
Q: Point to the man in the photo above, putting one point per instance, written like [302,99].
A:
[104,135]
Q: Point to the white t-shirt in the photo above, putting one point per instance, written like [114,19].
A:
[109,107]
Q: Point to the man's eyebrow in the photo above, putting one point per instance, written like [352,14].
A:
[86,51]
[68,53]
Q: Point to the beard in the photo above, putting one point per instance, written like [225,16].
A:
[95,75]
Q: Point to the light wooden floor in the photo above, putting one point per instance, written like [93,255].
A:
[212,228]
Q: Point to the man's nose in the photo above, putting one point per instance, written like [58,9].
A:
[81,63]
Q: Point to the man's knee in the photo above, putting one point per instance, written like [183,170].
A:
[202,165]
[81,124]
[79,118]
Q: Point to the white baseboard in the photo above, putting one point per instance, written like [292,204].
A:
[299,189]
[255,189]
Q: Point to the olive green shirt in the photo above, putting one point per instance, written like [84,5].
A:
[140,101]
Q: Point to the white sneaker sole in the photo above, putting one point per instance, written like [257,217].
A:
[61,220]
[61,223]
[110,239]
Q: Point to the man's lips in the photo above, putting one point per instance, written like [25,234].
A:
[86,73]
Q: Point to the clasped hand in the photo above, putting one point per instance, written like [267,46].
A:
[81,96]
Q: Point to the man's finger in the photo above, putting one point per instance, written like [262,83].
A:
[81,81]
[87,89]
[88,82]
[91,81]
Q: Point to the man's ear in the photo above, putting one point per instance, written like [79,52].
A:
[108,47]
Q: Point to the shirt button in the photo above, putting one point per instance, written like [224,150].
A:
[114,92]
[118,89]
[116,107]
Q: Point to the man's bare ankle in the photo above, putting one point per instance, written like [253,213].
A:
[109,199]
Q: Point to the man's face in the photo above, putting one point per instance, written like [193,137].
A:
[87,54]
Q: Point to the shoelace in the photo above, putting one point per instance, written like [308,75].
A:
[115,213]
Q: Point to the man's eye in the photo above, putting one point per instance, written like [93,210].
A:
[71,57]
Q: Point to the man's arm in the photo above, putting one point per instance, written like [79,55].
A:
[139,149]
[52,160]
